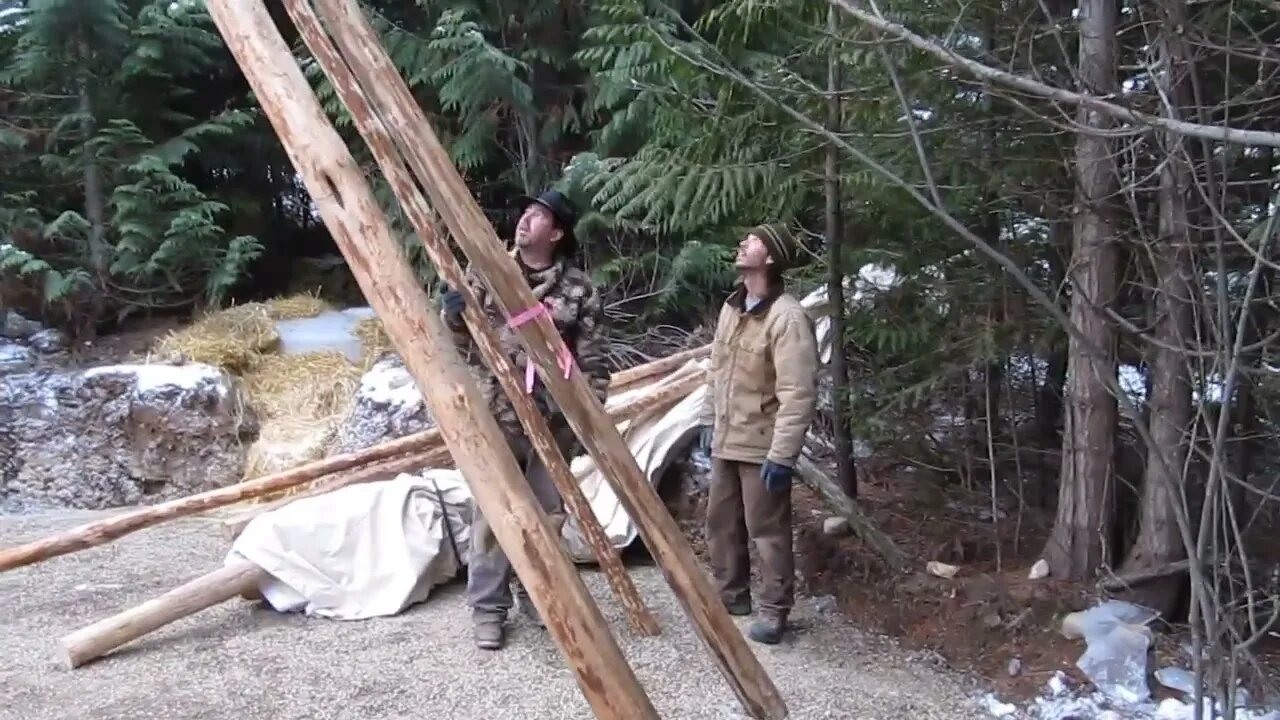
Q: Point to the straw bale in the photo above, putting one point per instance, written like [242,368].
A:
[373,338]
[301,399]
[231,339]
[296,307]
[307,386]
[286,443]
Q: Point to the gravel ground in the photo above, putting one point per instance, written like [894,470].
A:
[238,660]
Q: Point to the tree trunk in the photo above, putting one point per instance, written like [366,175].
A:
[1159,542]
[1078,545]
[846,467]
[95,212]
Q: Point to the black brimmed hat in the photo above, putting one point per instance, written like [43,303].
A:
[564,213]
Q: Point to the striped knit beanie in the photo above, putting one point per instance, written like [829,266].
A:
[781,244]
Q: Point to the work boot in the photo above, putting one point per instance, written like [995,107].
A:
[527,608]
[739,607]
[769,628]
[488,631]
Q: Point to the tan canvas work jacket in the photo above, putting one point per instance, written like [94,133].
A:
[763,380]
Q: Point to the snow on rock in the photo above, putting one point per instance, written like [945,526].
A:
[14,357]
[50,340]
[388,405]
[118,435]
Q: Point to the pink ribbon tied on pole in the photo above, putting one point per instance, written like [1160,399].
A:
[564,358]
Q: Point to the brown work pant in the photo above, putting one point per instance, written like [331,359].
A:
[738,507]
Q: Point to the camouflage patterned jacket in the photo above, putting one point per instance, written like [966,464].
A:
[576,309]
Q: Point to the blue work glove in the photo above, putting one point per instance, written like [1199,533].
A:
[777,478]
[704,438]
[452,302]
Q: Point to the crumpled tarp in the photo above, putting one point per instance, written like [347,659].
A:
[363,550]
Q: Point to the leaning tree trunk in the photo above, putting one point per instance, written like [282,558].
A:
[846,468]
[1159,542]
[1078,544]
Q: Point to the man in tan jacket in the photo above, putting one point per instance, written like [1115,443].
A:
[762,397]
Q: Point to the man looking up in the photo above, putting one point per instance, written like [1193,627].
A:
[761,398]
[544,249]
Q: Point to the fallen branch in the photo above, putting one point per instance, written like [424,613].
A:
[810,474]
[103,531]
[1137,577]
[205,591]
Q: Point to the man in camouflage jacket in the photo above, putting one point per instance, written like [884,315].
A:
[545,250]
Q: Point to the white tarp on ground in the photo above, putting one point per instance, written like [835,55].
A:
[361,551]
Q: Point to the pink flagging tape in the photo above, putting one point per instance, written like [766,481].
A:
[565,358]
[525,316]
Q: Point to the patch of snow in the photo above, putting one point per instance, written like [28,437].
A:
[1060,701]
[14,357]
[998,709]
[154,377]
[1133,382]
[391,385]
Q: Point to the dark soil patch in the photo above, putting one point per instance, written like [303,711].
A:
[130,344]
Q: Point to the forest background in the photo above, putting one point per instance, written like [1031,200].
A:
[1049,227]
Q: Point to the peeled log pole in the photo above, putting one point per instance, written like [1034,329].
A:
[630,378]
[337,186]
[101,532]
[419,213]
[205,591]
[451,198]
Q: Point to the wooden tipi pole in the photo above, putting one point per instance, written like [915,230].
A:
[347,206]
[382,84]
[419,213]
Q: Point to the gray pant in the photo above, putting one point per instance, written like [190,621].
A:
[489,573]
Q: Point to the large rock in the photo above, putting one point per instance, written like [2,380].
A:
[118,435]
[388,405]
[13,325]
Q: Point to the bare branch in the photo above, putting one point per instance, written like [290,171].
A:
[1034,87]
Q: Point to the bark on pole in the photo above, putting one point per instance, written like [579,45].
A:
[451,198]
[419,213]
[347,206]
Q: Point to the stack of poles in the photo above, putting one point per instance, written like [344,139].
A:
[407,150]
